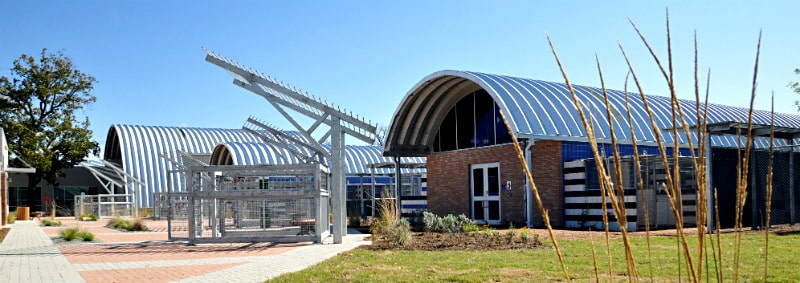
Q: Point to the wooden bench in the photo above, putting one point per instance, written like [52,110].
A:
[306,226]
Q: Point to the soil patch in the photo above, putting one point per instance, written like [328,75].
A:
[478,241]
[3,233]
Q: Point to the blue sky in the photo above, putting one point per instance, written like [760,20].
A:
[366,55]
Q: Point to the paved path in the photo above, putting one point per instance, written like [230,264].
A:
[28,255]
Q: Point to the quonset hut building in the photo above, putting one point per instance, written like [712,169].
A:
[154,155]
[456,120]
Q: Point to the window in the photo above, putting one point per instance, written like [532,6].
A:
[474,121]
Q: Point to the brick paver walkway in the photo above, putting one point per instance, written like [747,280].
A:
[29,255]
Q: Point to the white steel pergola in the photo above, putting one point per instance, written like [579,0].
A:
[339,123]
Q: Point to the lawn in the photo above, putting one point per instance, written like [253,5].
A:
[541,265]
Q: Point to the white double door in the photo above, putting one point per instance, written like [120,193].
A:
[485,193]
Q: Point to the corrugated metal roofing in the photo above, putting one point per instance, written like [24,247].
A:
[543,109]
[356,157]
[137,148]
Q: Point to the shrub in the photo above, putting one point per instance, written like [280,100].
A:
[48,222]
[11,217]
[448,224]
[87,236]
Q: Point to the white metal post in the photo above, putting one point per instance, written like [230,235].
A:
[337,180]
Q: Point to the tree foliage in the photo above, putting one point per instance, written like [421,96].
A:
[38,114]
[795,86]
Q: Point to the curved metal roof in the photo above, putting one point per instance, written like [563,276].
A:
[137,149]
[357,158]
[543,109]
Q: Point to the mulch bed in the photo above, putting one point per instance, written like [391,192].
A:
[478,241]
[3,233]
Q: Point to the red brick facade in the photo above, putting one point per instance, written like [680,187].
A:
[449,181]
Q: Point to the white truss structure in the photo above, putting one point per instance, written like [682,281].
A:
[339,123]
[110,175]
[272,136]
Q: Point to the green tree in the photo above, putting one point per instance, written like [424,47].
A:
[38,113]
[795,86]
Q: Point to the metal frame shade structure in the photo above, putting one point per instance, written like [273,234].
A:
[110,175]
[284,97]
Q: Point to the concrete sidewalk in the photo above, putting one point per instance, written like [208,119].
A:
[28,255]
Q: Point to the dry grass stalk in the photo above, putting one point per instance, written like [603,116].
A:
[769,187]
[605,181]
[672,199]
[698,160]
[744,167]
[535,191]
[639,180]
[620,209]
[719,237]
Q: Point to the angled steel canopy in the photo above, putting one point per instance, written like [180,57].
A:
[302,149]
[285,97]
[110,175]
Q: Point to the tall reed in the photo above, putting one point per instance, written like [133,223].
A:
[680,130]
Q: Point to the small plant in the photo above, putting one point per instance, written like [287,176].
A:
[89,217]
[512,232]
[70,234]
[390,228]
[524,235]
[128,225]
[496,237]
[87,236]
[48,222]
[11,217]
[138,225]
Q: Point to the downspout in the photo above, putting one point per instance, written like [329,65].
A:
[528,191]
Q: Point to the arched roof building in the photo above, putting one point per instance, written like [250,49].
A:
[461,120]
[539,109]
[141,150]
[358,158]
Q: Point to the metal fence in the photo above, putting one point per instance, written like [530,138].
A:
[105,206]
[253,203]
[785,202]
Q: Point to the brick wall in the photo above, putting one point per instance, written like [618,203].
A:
[548,176]
[449,180]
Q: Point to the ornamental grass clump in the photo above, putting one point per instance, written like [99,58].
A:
[73,233]
[128,225]
[390,228]
[48,222]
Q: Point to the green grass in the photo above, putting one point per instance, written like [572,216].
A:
[541,265]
